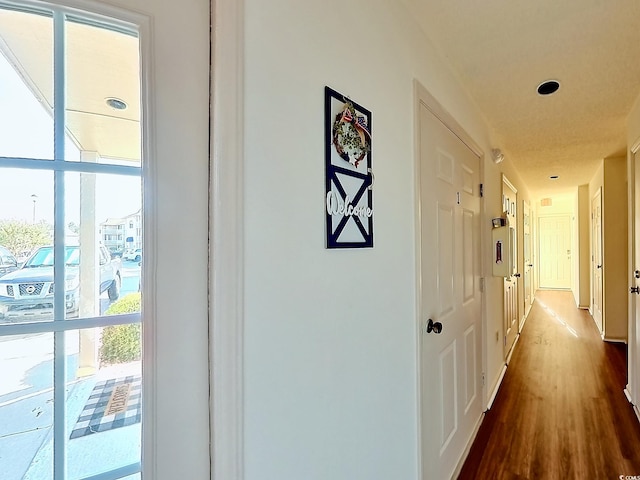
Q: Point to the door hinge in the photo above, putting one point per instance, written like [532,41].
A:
[483,379]
[458,197]
[481,190]
[481,284]
[505,340]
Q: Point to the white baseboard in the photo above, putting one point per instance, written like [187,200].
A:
[628,394]
[513,347]
[614,340]
[636,408]
[497,387]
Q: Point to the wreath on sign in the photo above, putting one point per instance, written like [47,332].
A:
[351,135]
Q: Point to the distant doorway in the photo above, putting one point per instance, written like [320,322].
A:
[555,252]
[596,259]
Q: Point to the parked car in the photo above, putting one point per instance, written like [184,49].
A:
[134,255]
[8,263]
[27,293]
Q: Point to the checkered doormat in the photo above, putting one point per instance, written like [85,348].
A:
[112,404]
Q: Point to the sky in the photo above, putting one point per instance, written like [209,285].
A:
[26,130]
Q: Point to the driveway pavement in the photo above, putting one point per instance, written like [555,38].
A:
[26,408]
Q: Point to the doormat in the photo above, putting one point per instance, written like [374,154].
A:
[112,404]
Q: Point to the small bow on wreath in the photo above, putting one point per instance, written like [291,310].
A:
[351,135]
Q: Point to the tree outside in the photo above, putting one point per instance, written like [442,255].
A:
[22,237]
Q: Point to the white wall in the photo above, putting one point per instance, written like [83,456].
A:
[330,336]
[583,266]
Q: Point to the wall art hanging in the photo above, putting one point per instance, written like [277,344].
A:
[348,173]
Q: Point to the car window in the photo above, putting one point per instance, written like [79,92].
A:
[8,260]
[44,257]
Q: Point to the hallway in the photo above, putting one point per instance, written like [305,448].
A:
[561,411]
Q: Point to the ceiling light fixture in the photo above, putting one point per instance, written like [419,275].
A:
[116,103]
[497,155]
[548,87]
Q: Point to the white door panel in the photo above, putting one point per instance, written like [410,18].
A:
[510,284]
[555,252]
[528,259]
[596,259]
[634,329]
[449,251]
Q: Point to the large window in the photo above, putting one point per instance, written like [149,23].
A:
[70,320]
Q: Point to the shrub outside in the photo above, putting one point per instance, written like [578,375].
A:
[122,343]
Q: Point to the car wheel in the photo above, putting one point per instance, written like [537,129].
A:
[137,259]
[114,288]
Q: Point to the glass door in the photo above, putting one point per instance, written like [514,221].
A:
[71,229]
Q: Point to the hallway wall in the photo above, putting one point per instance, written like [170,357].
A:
[583,266]
[331,336]
[611,178]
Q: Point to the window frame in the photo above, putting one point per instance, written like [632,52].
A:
[112,18]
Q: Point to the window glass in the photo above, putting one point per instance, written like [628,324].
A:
[26,96]
[61,230]
[103,94]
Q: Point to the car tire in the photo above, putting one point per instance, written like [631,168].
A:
[137,259]
[114,288]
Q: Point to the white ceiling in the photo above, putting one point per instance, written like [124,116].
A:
[502,50]
[101,63]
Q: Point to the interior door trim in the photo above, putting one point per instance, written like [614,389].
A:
[226,255]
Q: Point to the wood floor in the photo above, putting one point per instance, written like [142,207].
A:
[561,412]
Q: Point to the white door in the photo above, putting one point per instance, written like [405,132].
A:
[168,113]
[528,259]
[555,252]
[450,361]
[634,325]
[596,259]
[511,325]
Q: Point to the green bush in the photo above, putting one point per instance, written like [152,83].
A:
[121,343]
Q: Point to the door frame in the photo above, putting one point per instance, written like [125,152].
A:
[632,389]
[226,252]
[423,96]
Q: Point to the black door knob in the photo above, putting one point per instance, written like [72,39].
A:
[435,327]
[516,275]
[635,290]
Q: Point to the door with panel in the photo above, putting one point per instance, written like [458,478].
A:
[450,298]
[88,90]
[555,252]
[633,361]
[510,283]
[596,259]
[528,259]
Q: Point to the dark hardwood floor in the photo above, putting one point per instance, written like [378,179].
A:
[561,412]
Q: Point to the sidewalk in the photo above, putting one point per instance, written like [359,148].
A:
[26,433]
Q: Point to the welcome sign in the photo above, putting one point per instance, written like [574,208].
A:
[348,173]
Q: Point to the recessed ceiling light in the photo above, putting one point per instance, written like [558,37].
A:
[548,87]
[116,103]
[554,177]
